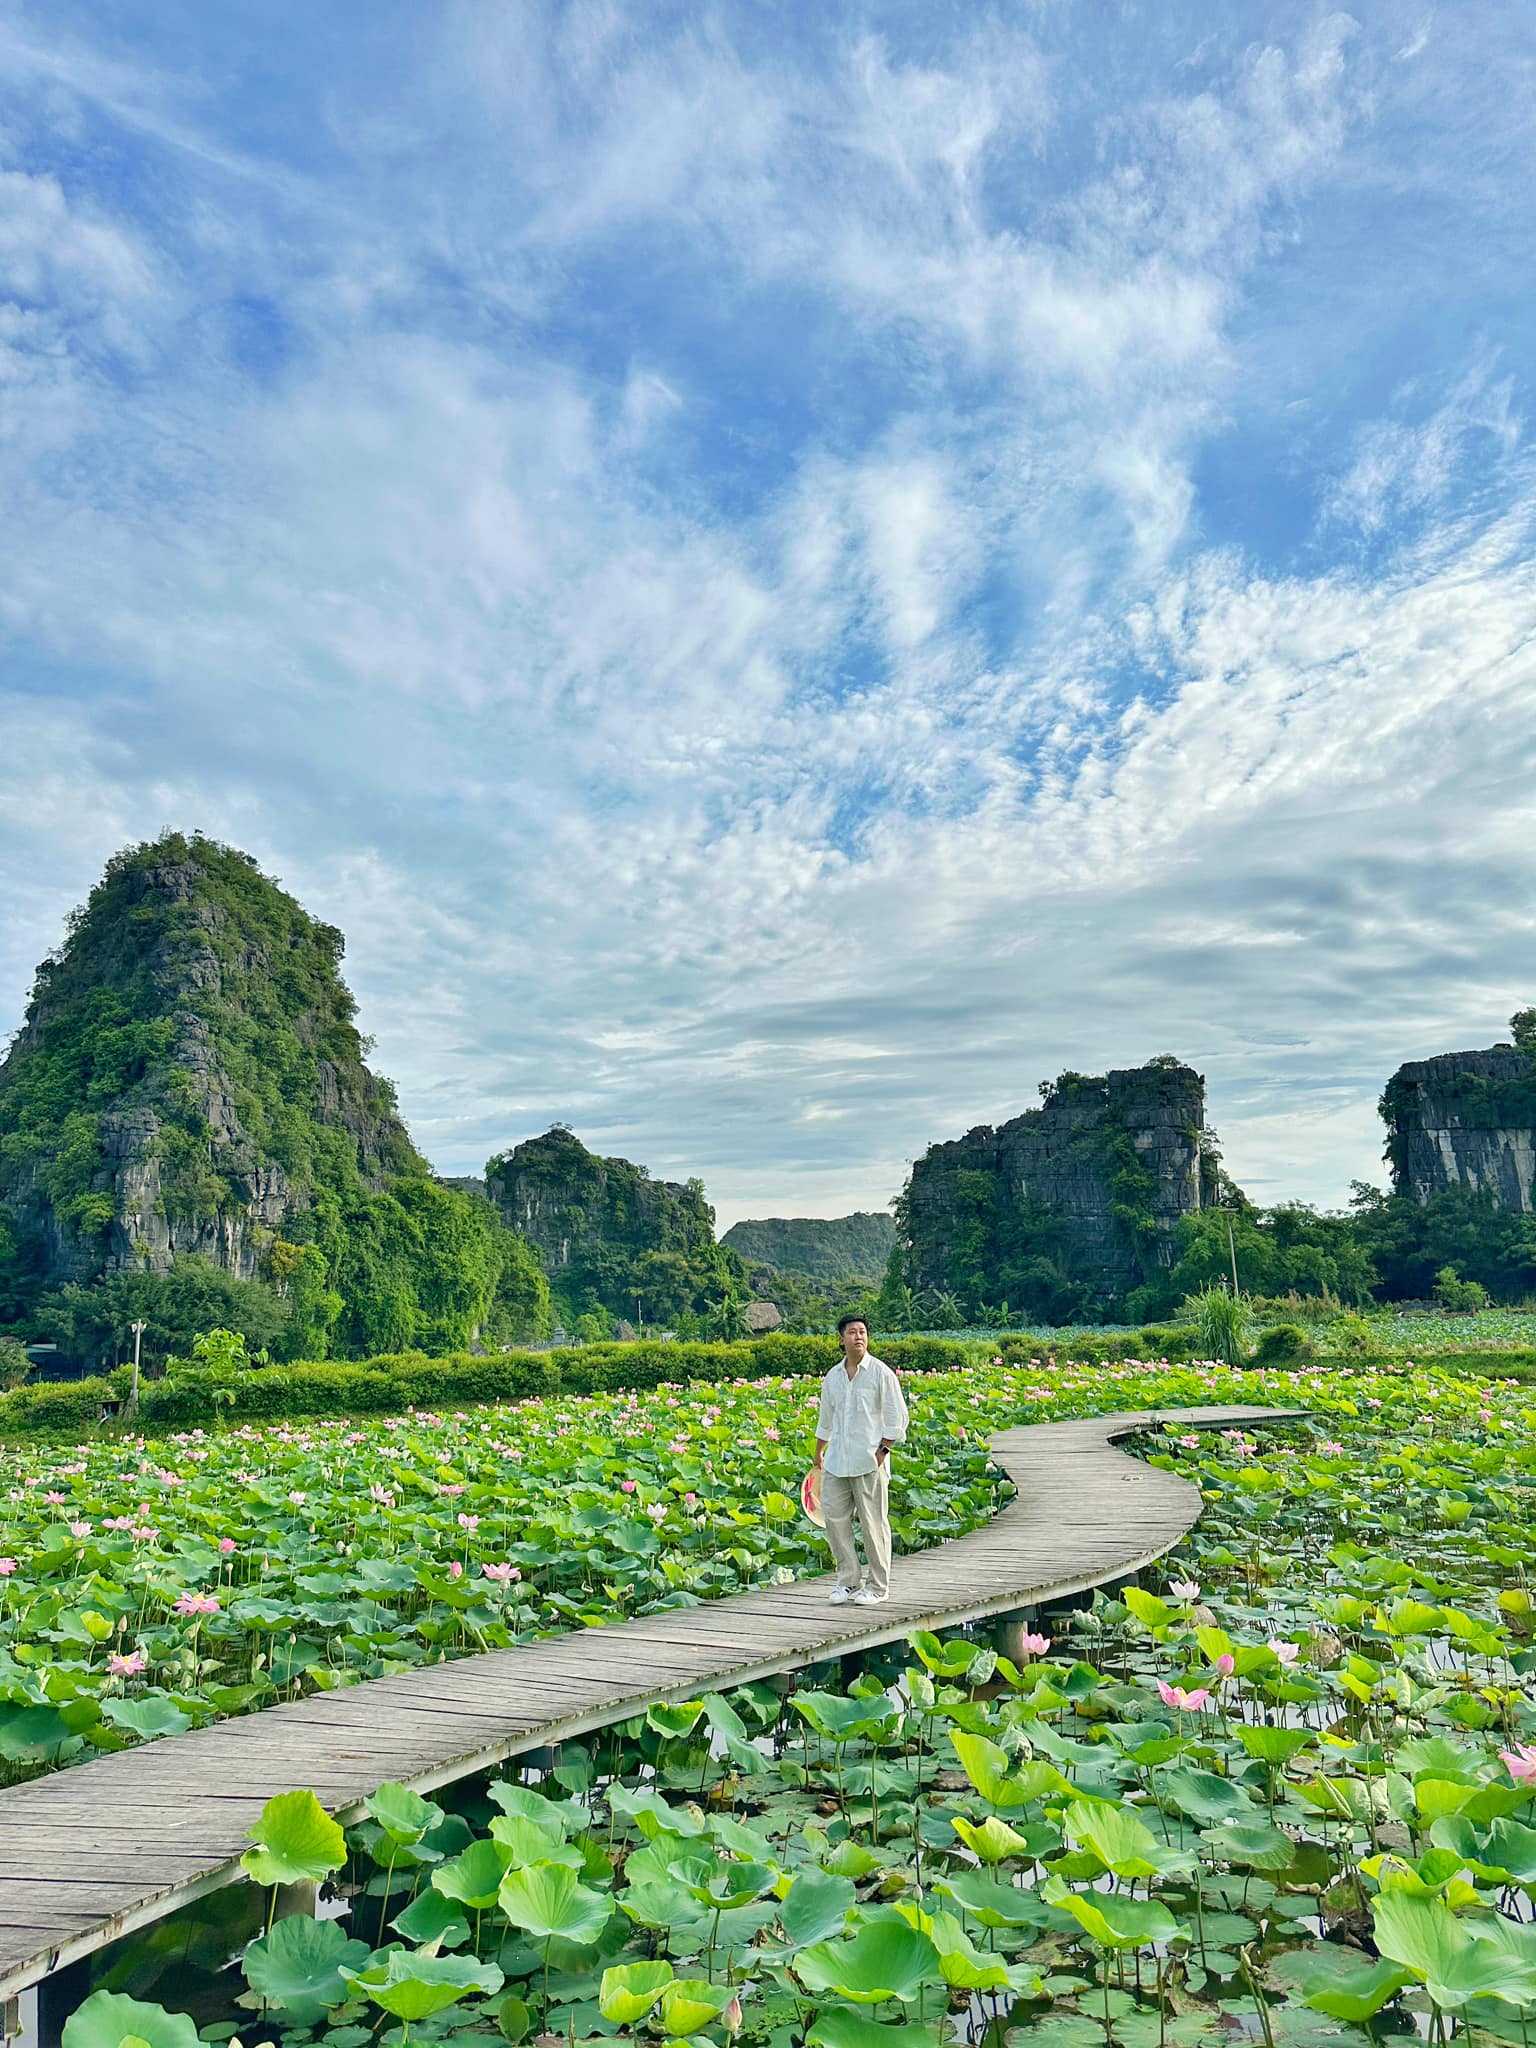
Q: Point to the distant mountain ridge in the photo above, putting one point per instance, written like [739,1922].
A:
[854,1247]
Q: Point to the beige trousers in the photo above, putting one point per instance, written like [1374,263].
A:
[869,1497]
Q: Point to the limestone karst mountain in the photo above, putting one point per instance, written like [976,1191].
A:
[1068,1206]
[612,1238]
[1465,1119]
[190,1085]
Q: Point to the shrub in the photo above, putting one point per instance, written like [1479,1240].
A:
[1221,1324]
[1283,1343]
[1460,1297]
[55,1404]
[1356,1337]
[14,1362]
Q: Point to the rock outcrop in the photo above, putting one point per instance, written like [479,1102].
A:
[1464,1119]
[1100,1175]
[188,1078]
[608,1233]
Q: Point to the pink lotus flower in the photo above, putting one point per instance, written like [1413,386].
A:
[53,1500]
[127,1667]
[690,1500]
[1033,1645]
[469,1521]
[7,1566]
[1185,1589]
[298,1499]
[730,2019]
[626,1486]
[503,1574]
[1190,1443]
[1520,1762]
[1186,1702]
[657,1511]
[455,1569]
[1331,1449]
[80,1529]
[1226,1664]
[1286,1652]
[197,1603]
[144,1534]
[226,1546]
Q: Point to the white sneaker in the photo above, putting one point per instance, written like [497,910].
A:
[866,1596]
[839,1597]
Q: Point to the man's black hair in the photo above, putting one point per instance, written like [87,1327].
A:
[844,1321]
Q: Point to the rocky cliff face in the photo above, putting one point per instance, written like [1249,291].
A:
[1110,1163]
[188,1078]
[574,1205]
[1464,1119]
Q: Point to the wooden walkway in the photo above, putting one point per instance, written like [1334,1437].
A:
[96,1850]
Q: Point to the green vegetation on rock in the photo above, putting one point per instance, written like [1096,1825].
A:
[615,1242]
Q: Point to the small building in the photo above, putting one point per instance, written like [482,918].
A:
[763,1316]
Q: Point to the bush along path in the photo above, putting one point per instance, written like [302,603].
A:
[1284,1796]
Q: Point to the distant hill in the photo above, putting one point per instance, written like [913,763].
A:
[611,1237]
[821,1247]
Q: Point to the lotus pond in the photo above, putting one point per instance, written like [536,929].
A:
[1280,1794]
[147,1587]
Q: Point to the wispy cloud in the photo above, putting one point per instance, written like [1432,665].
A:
[783,584]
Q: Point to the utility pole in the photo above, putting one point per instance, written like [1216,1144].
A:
[138,1330]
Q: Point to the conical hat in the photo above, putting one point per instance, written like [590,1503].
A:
[810,1496]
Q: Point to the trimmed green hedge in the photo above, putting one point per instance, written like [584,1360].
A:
[388,1384]
[409,1379]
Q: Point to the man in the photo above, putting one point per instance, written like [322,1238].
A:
[862,1415]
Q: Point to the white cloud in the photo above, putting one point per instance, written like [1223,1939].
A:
[771,812]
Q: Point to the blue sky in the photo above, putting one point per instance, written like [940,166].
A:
[786,573]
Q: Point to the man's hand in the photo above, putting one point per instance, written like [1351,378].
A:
[882,1454]
[816,1462]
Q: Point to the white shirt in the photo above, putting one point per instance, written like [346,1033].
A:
[858,1415]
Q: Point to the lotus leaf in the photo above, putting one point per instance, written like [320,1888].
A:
[629,1990]
[688,2003]
[549,1899]
[297,1965]
[107,2019]
[1342,1982]
[1112,1920]
[817,1904]
[403,1814]
[1454,1959]
[1121,1841]
[883,1960]
[413,1986]
[993,1840]
[296,1841]
[473,1877]
[842,2026]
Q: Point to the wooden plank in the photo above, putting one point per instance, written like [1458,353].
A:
[182,1807]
